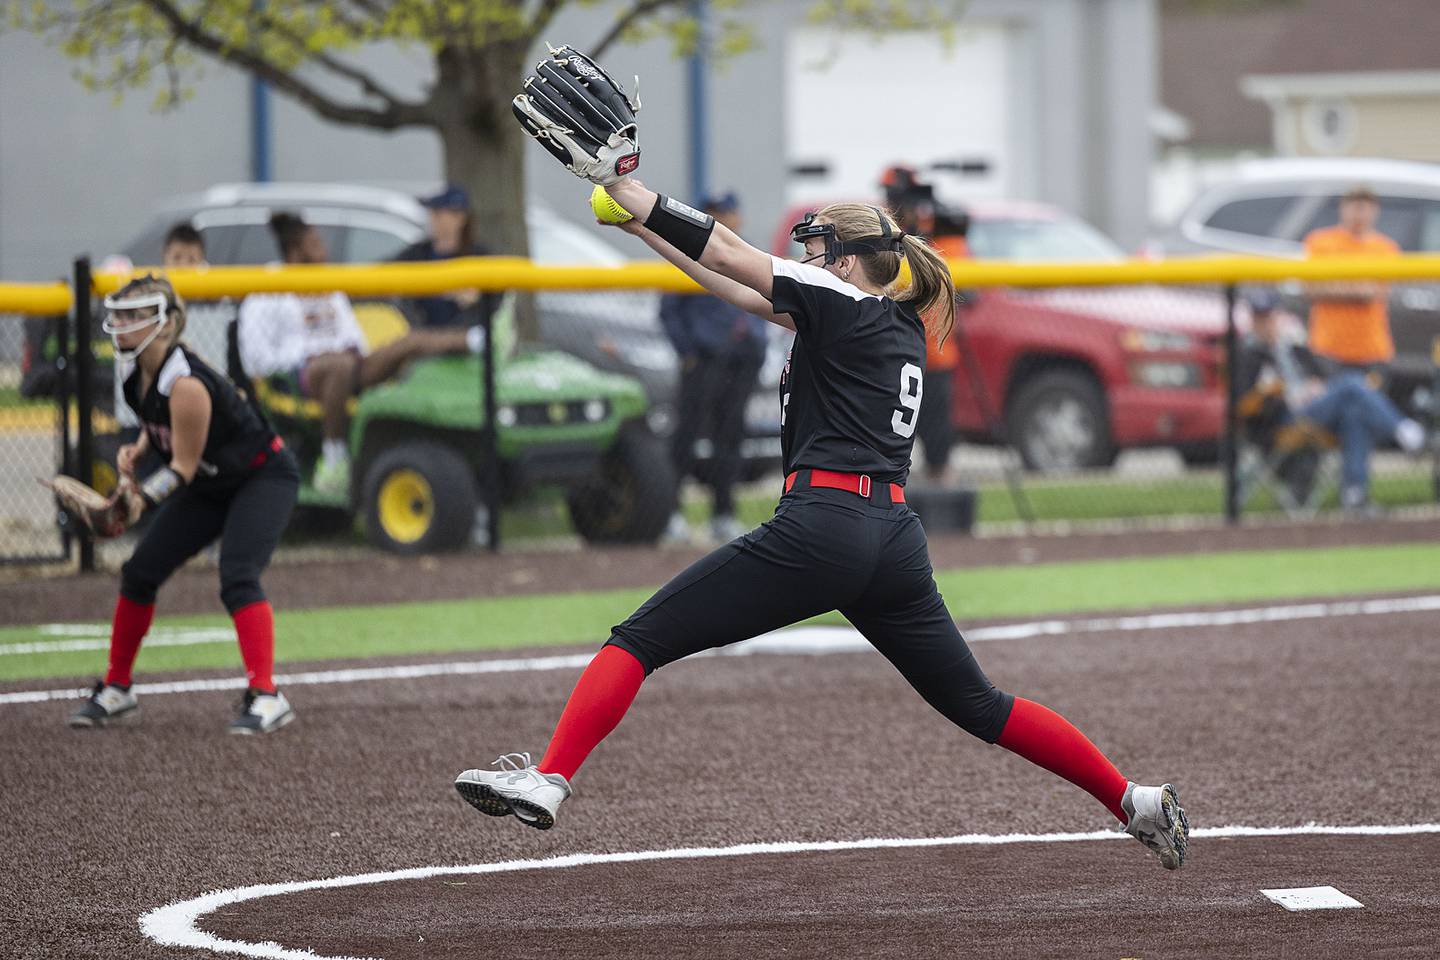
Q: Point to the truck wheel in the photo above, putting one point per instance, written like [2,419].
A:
[1058,422]
[1202,453]
[418,498]
[632,497]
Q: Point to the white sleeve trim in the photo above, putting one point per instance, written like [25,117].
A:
[813,276]
[175,368]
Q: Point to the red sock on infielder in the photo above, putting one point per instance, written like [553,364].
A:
[601,697]
[127,628]
[1048,740]
[255,628]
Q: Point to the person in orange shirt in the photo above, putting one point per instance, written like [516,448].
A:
[1349,324]
[913,204]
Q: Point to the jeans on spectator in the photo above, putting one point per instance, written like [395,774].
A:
[1358,416]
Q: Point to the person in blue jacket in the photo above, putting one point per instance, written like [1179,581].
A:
[721,349]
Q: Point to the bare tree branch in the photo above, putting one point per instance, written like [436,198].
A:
[641,8]
[543,15]
[395,114]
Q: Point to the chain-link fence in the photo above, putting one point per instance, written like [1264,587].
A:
[639,416]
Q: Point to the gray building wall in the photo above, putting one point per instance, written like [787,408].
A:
[79,173]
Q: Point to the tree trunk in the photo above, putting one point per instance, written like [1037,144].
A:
[485,149]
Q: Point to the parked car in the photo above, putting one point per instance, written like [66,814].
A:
[1269,207]
[1072,376]
[616,330]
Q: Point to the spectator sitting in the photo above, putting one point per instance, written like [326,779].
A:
[451,229]
[1281,382]
[721,350]
[316,341]
[1349,325]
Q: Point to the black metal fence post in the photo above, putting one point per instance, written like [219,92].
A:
[492,436]
[84,389]
[1230,444]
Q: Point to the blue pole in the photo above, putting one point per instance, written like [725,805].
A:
[698,71]
[259,130]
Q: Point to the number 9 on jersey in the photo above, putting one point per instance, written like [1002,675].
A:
[912,388]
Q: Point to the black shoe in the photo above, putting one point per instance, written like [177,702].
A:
[107,704]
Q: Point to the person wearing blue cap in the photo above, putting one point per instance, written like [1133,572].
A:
[721,350]
[1282,382]
[451,235]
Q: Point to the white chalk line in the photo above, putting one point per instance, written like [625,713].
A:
[175,924]
[815,640]
[87,637]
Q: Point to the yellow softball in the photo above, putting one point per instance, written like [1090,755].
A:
[605,208]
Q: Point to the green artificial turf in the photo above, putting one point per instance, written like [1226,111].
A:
[402,630]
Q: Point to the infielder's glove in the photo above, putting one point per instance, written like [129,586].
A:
[580,115]
[106,517]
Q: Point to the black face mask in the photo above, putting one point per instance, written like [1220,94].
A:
[887,241]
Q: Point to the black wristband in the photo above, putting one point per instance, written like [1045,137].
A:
[682,226]
[160,484]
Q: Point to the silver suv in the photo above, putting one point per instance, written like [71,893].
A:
[1272,204]
[615,330]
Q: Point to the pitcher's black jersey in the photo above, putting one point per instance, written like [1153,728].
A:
[237,433]
[850,392]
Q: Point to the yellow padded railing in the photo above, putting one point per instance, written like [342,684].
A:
[515,273]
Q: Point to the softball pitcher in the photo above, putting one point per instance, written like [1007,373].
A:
[842,537]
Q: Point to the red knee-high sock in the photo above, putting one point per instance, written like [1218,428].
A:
[127,628]
[255,628]
[600,699]
[1047,739]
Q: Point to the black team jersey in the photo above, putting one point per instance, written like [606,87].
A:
[850,392]
[237,437]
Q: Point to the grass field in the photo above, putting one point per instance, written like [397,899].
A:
[399,630]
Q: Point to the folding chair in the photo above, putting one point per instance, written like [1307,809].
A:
[1297,461]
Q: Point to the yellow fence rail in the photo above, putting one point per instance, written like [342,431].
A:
[515,273]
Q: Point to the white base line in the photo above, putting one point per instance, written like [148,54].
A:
[796,640]
[174,925]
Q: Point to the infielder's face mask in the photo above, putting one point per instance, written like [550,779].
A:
[134,314]
[835,248]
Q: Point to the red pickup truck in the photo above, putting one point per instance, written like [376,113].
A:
[1072,376]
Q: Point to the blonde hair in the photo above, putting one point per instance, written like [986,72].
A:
[152,283]
[930,286]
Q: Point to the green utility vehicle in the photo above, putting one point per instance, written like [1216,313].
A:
[420,468]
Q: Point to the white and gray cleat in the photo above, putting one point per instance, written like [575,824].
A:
[516,787]
[1158,821]
[262,713]
[107,704]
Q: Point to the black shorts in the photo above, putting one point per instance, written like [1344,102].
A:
[825,550]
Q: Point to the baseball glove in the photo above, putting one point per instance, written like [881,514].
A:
[106,517]
[582,116]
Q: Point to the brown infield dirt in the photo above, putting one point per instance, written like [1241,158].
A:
[1279,724]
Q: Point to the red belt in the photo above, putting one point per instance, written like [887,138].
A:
[857,483]
[275,445]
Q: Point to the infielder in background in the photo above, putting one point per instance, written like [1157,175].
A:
[226,476]
[842,537]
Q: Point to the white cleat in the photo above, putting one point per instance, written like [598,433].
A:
[516,787]
[1158,821]
[262,713]
[107,704]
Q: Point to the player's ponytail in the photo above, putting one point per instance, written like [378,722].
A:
[932,289]
[929,285]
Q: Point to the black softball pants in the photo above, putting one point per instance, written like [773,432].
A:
[825,550]
[247,519]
